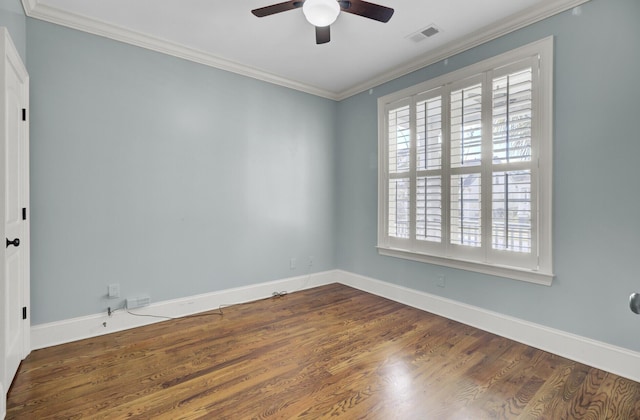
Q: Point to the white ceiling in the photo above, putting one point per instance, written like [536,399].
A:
[281,48]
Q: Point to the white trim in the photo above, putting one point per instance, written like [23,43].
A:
[66,331]
[12,62]
[35,9]
[479,37]
[29,6]
[614,359]
[536,266]
[530,276]
[3,402]
[139,39]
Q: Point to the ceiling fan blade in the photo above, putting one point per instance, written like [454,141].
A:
[368,10]
[277,8]
[323,34]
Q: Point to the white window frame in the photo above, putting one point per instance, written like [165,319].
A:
[536,267]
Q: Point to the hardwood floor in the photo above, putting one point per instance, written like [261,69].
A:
[325,352]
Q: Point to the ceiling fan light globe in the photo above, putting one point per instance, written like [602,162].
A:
[321,12]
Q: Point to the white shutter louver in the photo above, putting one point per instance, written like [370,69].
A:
[398,163]
[399,205]
[512,104]
[466,126]
[511,227]
[429,209]
[466,205]
[429,170]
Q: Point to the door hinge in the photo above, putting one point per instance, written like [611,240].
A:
[24,312]
[24,114]
[24,213]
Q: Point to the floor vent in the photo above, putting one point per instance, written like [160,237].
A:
[138,302]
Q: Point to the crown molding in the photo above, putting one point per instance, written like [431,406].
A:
[479,37]
[29,5]
[35,9]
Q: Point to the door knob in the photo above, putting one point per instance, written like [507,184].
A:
[634,302]
[15,242]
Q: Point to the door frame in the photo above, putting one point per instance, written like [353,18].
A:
[10,56]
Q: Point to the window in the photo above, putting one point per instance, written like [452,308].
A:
[465,167]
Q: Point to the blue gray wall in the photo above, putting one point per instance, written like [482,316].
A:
[596,200]
[13,18]
[174,179]
[168,177]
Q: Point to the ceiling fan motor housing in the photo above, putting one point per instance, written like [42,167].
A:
[321,12]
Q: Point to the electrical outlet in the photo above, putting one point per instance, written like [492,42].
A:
[310,261]
[292,264]
[440,282]
[113,290]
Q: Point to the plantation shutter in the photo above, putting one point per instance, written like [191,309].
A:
[465,167]
[398,164]
[513,216]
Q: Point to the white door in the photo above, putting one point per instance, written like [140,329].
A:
[14,191]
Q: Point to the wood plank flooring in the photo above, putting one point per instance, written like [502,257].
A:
[319,353]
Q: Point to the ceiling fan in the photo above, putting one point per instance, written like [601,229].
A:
[322,13]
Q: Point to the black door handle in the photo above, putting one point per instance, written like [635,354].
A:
[15,242]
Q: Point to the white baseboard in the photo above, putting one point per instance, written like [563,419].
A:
[617,360]
[66,331]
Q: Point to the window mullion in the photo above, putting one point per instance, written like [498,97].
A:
[538,148]
[383,176]
[446,169]
[486,166]
[412,172]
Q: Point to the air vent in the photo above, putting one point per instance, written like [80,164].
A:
[138,301]
[430,31]
[424,33]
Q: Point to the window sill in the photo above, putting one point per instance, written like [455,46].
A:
[530,276]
